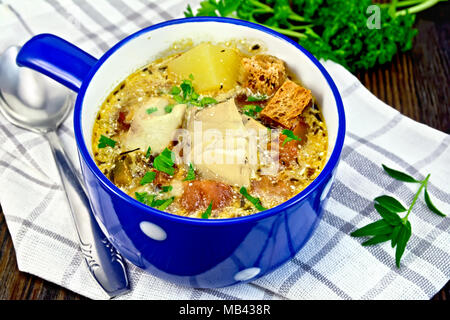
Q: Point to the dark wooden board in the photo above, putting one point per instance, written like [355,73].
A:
[416,83]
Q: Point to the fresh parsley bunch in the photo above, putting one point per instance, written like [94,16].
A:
[330,29]
[391,227]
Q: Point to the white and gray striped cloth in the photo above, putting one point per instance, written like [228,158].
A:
[332,265]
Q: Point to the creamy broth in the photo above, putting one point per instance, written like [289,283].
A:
[148,102]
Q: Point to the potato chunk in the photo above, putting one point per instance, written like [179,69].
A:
[214,67]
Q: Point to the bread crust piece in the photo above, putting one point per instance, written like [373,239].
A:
[287,104]
[263,73]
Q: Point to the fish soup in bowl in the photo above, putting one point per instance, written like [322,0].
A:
[216,131]
[208,164]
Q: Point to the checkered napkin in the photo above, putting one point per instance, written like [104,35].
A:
[332,265]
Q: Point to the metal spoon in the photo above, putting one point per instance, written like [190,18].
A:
[34,102]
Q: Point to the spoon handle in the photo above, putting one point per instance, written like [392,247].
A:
[104,262]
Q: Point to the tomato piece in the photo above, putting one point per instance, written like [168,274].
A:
[161,178]
[288,152]
[198,194]
[123,126]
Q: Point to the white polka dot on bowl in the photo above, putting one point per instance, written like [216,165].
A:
[247,274]
[326,190]
[153,231]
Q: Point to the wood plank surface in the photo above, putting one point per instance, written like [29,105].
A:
[416,83]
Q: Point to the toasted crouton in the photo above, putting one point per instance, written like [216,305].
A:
[287,104]
[263,73]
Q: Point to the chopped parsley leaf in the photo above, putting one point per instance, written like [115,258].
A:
[164,162]
[190,174]
[148,177]
[194,95]
[290,136]
[179,99]
[207,213]
[185,93]
[148,153]
[166,203]
[255,201]
[151,110]
[257,98]
[166,188]
[149,200]
[145,198]
[175,90]
[157,202]
[169,108]
[207,100]
[251,110]
[105,141]
[188,89]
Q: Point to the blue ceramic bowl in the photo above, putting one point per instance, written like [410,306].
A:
[188,251]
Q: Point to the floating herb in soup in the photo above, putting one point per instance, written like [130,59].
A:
[211,133]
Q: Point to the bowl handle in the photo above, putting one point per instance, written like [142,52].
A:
[56,58]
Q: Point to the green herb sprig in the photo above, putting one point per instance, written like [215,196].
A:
[164,162]
[151,110]
[255,201]
[392,227]
[148,152]
[149,200]
[251,110]
[166,189]
[290,136]
[338,30]
[148,178]
[145,197]
[190,174]
[207,213]
[257,98]
[166,204]
[105,141]
[169,108]
[185,94]
[205,101]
